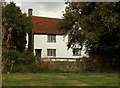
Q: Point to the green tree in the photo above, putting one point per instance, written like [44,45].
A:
[97,26]
[15,26]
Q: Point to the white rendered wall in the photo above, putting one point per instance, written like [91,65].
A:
[40,42]
[26,40]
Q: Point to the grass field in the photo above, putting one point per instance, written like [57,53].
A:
[60,79]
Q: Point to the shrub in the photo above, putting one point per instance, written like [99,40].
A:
[9,59]
[26,57]
[14,61]
[85,64]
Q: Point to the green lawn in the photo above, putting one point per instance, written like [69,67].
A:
[60,79]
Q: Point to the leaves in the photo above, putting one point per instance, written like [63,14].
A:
[19,24]
[100,27]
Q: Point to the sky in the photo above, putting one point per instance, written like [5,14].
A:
[53,9]
[46,8]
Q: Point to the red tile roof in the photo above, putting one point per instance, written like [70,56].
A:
[45,25]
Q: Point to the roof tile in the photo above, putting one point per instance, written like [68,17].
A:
[46,25]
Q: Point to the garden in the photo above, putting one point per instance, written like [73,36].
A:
[19,70]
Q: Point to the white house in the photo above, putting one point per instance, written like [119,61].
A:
[48,41]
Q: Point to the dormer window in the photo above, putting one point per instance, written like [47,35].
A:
[51,38]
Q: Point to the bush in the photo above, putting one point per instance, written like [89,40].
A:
[9,59]
[85,64]
[14,61]
[26,57]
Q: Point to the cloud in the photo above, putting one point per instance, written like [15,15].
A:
[49,9]
[45,9]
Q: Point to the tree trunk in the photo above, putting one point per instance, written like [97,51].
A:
[30,42]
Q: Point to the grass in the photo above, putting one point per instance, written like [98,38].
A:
[60,79]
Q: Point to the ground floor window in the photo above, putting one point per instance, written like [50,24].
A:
[51,52]
[76,52]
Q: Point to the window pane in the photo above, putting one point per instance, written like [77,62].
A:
[48,52]
[55,52]
[51,52]
[51,38]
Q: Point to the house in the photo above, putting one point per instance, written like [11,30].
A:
[48,41]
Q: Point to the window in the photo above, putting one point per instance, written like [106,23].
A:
[51,38]
[51,52]
[76,52]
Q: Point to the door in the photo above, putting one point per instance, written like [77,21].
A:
[38,52]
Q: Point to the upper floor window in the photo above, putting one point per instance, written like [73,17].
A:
[51,38]
[76,52]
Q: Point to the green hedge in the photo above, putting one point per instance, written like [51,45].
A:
[14,61]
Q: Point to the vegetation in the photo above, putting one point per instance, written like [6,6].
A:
[24,62]
[95,25]
[14,61]
[60,79]
[15,26]
[91,26]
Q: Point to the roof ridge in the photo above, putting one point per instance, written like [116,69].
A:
[47,17]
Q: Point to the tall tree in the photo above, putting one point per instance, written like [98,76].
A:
[15,26]
[97,26]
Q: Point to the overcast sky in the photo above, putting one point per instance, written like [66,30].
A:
[46,9]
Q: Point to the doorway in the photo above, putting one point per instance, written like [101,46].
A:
[38,52]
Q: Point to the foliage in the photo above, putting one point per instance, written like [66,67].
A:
[9,59]
[97,26]
[15,26]
[26,57]
[14,61]
[0,13]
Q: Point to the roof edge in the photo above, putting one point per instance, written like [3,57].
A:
[47,17]
[47,33]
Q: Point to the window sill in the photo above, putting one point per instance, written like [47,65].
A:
[51,42]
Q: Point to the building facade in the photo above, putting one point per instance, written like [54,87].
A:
[49,41]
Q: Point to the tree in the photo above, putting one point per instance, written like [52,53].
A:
[15,26]
[97,26]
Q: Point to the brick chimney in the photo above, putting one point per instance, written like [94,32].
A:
[30,12]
